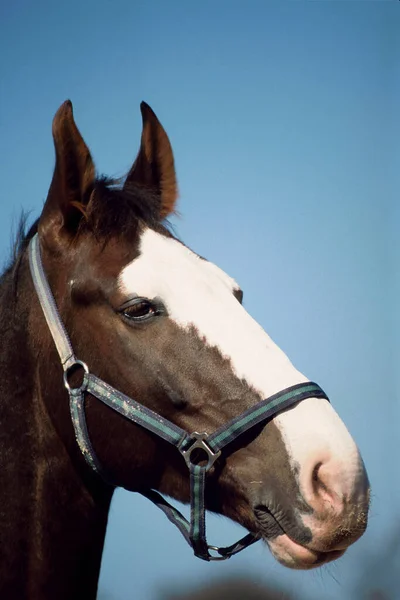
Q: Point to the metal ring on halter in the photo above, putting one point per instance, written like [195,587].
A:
[219,557]
[77,363]
[200,444]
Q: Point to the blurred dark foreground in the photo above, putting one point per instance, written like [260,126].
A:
[232,589]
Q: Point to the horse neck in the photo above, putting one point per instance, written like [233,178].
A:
[52,520]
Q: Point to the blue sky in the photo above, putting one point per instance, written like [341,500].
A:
[283,120]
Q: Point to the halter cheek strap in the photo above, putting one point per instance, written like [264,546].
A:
[187,444]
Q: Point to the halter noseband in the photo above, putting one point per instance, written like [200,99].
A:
[211,444]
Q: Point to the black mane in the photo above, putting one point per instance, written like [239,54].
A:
[19,242]
[116,210]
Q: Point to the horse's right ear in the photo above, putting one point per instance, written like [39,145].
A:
[72,183]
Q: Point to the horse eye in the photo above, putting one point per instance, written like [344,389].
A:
[238,295]
[140,310]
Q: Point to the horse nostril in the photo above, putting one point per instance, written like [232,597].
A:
[326,484]
[317,482]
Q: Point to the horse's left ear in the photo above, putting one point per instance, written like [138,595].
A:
[154,166]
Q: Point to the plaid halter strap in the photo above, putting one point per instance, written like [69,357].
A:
[207,447]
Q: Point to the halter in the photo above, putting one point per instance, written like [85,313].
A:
[187,444]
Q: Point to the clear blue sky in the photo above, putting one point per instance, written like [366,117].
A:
[283,117]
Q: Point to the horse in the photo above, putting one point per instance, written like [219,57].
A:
[129,360]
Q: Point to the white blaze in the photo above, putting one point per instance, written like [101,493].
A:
[198,293]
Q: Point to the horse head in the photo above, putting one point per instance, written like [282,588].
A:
[167,327]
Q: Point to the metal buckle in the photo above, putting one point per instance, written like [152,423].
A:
[200,443]
[67,372]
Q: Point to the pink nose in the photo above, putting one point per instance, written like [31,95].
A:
[339,495]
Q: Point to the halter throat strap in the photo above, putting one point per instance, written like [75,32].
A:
[187,444]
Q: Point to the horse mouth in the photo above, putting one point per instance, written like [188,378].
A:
[285,549]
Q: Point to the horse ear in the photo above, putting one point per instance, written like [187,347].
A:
[73,178]
[154,166]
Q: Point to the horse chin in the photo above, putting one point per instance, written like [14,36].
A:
[285,550]
[295,556]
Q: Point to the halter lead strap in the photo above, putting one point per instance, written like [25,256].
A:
[195,531]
